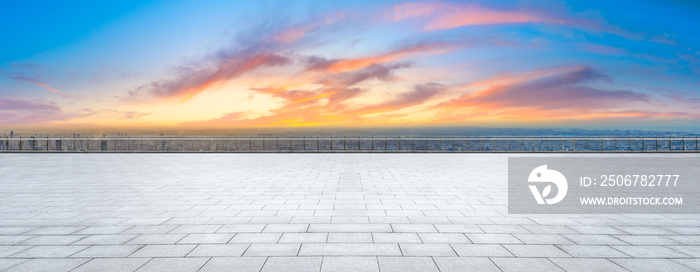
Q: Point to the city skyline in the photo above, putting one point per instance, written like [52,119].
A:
[390,63]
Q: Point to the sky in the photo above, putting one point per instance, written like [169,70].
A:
[241,64]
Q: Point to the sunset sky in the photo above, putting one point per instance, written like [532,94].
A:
[221,64]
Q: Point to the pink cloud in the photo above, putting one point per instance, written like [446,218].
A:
[36,82]
[443,16]
[291,34]
[191,81]
[297,32]
[556,96]
[24,112]
[18,111]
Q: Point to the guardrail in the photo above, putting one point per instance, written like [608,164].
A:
[350,144]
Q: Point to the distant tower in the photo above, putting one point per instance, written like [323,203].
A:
[12,133]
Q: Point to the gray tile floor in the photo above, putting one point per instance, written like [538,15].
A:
[307,212]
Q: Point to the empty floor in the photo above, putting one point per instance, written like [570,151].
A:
[307,212]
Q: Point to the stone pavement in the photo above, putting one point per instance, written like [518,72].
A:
[307,212]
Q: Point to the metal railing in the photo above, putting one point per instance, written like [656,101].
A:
[350,144]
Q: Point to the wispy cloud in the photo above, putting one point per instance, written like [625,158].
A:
[34,79]
[417,96]
[435,16]
[314,83]
[561,95]
[191,81]
[22,112]
[679,97]
[441,16]
[19,111]
[112,114]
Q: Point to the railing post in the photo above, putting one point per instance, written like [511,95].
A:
[304,142]
[318,145]
[345,146]
[413,145]
[386,143]
[683,139]
[453,144]
[400,144]
[331,143]
[616,144]
[277,144]
[669,144]
[372,143]
[602,144]
[656,140]
[629,144]
[439,144]
[479,144]
[521,147]
[643,149]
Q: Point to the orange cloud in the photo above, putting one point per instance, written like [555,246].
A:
[310,112]
[506,80]
[556,95]
[341,66]
[547,95]
[417,96]
[319,91]
[193,81]
[334,86]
